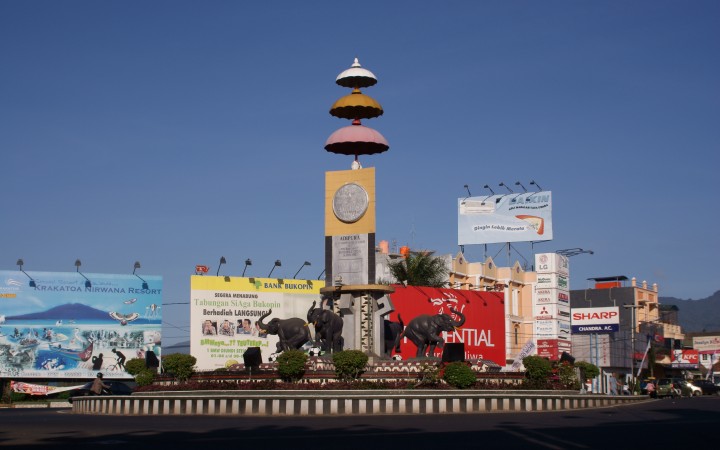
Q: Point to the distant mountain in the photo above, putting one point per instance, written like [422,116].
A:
[697,315]
[180,347]
[74,311]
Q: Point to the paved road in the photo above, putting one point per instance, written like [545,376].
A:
[656,424]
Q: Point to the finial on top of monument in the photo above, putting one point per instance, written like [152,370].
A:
[356,77]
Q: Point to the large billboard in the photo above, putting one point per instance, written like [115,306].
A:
[483,333]
[596,320]
[73,325]
[224,314]
[505,218]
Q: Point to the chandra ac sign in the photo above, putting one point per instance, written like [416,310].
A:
[595,320]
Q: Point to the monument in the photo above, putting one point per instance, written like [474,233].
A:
[350,220]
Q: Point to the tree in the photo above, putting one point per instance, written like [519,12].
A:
[180,365]
[420,268]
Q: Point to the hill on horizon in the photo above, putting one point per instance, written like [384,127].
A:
[73,311]
[697,315]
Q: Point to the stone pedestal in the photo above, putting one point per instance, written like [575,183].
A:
[362,308]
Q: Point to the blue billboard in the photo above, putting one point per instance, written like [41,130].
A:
[73,325]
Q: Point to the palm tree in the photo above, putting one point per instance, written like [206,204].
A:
[420,268]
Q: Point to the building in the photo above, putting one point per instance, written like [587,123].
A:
[644,324]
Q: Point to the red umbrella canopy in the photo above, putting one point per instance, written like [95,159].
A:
[356,139]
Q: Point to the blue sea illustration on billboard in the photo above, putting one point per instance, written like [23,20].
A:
[73,325]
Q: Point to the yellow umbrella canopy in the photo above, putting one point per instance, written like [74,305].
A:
[356,106]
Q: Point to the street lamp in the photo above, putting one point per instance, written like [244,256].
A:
[31,283]
[136,267]
[222,261]
[568,252]
[88,284]
[278,263]
[306,263]
[248,262]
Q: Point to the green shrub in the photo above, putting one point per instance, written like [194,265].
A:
[459,375]
[180,365]
[145,377]
[291,365]
[537,371]
[588,370]
[135,366]
[428,374]
[567,377]
[349,364]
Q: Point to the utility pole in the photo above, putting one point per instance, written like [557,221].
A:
[632,309]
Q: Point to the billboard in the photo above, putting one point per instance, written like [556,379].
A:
[505,218]
[685,359]
[224,313]
[596,320]
[483,333]
[73,325]
[706,344]
[552,263]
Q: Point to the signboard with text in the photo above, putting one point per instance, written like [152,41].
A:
[595,320]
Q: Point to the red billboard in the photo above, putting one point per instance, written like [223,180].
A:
[548,348]
[483,332]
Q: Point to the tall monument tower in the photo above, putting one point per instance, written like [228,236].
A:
[350,218]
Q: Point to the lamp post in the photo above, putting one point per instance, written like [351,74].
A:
[222,261]
[248,262]
[278,263]
[136,266]
[632,309]
[306,263]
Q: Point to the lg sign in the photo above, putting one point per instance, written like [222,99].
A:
[595,320]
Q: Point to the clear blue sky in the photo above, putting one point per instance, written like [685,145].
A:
[175,132]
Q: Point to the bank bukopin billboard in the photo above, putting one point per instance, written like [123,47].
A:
[72,325]
[482,333]
[224,315]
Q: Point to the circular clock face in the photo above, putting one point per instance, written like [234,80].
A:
[350,202]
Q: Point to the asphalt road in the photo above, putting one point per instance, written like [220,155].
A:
[655,424]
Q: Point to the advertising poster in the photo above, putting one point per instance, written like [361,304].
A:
[73,325]
[685,359]
[483,332]
[225,315]
[505,218]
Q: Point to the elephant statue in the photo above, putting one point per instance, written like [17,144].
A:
[424,331]
[328,328]
[392,332]
[293,332]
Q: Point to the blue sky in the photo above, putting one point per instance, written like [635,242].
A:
[174,132]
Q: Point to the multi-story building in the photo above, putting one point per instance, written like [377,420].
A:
[642,324]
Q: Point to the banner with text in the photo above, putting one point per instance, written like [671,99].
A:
[505,218]
[224,314]
[483,333]
[73,324]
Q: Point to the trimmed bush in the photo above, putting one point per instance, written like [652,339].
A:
[180,365]
[291,365]
[145,377]
[459,375]
[349,364]
[566,376]
[135,366]
[589,370]
[537,371]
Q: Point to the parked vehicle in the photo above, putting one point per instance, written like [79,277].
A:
[667,388]
[687,388]
[707,387]
[116,388]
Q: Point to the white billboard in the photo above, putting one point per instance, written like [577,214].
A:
[552,263]
[706,344]
[595,320]
[552,281]
[505,218]
[551,295]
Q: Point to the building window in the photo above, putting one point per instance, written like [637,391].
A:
[516,329]
[515,302]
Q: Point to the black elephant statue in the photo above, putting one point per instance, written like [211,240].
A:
[328,328]
[424,331]
[392,332]
[293,332]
